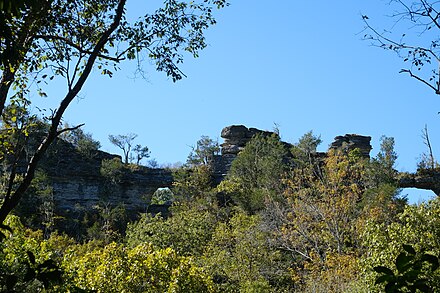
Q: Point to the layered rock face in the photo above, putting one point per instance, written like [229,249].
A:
[350,142]
[235,139]
[237,136]
[76,181]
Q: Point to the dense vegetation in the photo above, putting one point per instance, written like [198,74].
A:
[285,219]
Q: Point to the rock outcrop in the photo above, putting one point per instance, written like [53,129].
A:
[237,136]
[76,179]
[422,179]
[350,142]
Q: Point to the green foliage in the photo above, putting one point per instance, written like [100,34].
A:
[187,231]
[410,276]
[132,153]
[418,226]
[162,196]
[29,263]
[191,183]
[37,207]
[107,223]
[239,256]
[204,152]
[44,40]
[305,150]
[124,142]
[116,268]
[382,166]
[257,172]
[112,169]
[83,142]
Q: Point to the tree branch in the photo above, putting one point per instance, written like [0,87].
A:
[437,90]
[69,129]
[8,205]
[78,47]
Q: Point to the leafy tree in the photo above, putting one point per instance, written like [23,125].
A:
[112,169]
[318,226]
[381,201]
[192,183]
[131,153]
[240,258]
[82,141]
[418,226]
[108,222]
[116,268]
[162,196]
[304,151]
[413,37]
[257,172]
[140,153]
[203,152]
[29,262]
[44,40]
[409,277]
[187,230]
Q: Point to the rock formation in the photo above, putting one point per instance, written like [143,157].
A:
[353,141]
[237,136]
[422,179]
[76,180]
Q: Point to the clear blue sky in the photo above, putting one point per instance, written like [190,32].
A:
[299,64]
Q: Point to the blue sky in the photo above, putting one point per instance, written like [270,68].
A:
[300,64]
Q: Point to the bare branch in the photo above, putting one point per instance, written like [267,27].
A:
[69,129]
[437,90]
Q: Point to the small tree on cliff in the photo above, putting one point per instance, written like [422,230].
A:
[51,39]
[204,151]
[131,153]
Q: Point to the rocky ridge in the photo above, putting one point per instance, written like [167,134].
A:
[77,180]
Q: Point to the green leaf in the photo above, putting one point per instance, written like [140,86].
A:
[409,249]
[383,270]
[411,275]
[391,287]
[421,285]
[385,279]
[432,259]
[31,257]
[402,262]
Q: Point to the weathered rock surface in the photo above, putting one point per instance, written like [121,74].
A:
[426,179]
[350,142]
[237,136]
[77,181]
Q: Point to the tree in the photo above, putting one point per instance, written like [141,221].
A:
[414,38]
[140,153]
[417,226]
[257,172]
[240,258]
[124,142]
[83,141]
[204,152]
[69,39]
